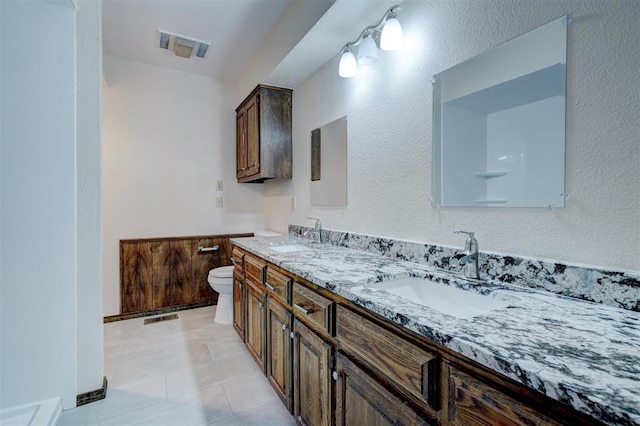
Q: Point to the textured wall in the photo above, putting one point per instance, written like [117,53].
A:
[389,125]
[167,137]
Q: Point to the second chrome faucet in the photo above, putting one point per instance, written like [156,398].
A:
[469,260]
[317,229]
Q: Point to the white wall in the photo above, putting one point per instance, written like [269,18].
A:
[38,192]
[89,195]
[167,137]
[389,114]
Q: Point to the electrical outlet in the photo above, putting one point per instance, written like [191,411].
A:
[293,203]
[219,202]
[219,185]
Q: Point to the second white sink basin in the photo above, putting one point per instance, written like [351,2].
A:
[444,298]
[289,248]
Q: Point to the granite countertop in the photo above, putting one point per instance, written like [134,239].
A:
[584,354]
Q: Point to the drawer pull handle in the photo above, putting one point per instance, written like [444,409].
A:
[236,261]
[270,286]
[335,376]
[303,310]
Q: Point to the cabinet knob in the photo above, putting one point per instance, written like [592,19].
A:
[284,327]
[292,334]
[260,304]
[335,375]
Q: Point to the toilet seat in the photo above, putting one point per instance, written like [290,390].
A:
[223,272]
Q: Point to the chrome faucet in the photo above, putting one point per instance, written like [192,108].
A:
[470,259]
[317,229]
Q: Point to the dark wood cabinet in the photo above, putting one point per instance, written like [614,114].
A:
[342,364]
[475,403]
[313,387]
[239,303]
[239,306]
[264,135]
[255,332]
[361,400]
[412,371]
[279,355]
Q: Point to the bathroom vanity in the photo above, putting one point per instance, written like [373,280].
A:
[338,348]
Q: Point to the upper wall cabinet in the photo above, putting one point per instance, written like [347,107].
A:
[499,125]
[263,135]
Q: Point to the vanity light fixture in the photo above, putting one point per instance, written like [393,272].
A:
[390,33]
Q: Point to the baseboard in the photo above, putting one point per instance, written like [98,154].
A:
[94,395]
[158,311]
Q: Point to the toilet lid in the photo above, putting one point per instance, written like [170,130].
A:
[223,272]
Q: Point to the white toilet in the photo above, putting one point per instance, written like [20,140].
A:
[221,281]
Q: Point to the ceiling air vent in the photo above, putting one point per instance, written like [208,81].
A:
[182,46]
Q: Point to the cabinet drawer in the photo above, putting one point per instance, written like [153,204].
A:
[475,403]
[254,268]
[237,258]
[412,369]
[279,286]
[313,309]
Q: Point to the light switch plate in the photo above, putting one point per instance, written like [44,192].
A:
[219,202]
[219,185]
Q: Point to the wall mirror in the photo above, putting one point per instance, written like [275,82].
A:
[329,164]
[499,124]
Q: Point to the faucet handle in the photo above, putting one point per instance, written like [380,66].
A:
[471,244]
[318,224]
[470,234]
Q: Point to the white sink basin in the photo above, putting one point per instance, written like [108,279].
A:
[289,248]
[443,298]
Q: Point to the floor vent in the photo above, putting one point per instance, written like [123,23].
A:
[160,319]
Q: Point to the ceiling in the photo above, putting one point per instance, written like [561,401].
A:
[235,29]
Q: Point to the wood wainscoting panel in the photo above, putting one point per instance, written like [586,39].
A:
[136,275]
[159,273]
[172,284]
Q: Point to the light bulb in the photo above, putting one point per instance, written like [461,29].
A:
[348,66]
[368,51]
[391,38]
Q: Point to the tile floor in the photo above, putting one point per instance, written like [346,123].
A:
[188,371]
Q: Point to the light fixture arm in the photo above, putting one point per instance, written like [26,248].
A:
[371,28]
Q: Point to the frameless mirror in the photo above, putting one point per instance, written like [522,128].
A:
[329,164]
[499,124]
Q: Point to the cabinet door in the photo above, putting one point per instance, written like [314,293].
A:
[172,283]
[360,400]
[136,279]
[241,143]
[279,356]
[255,332]
[312,390]
[239,306]
[475,403]
[252,109]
